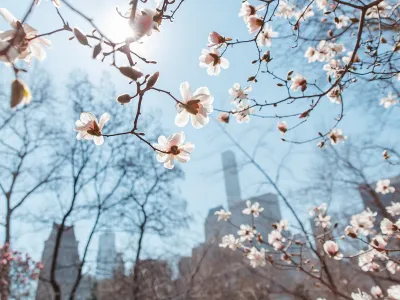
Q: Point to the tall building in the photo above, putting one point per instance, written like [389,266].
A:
[214,230]
[66,267]
[106,256]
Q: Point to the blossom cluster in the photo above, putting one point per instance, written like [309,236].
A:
[17,270]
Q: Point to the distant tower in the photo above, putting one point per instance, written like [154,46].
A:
[214,230]
[67,263]
[231,178]
[106,256]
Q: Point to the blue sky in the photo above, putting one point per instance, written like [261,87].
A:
[177,48]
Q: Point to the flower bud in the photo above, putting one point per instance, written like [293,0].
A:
[81,37]
[96,50]
[152,80]
[20,93]
[124,99]
[131,73]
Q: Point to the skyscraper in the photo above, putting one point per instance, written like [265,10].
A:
[66,267]
[106,256]
[271,214]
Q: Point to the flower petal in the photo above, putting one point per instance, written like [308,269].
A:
[103,120]
[182,118]
[185,91]
[98,140]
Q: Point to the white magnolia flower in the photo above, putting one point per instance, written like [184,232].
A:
[276,239]
[388,227]
[376,292]
[298,81]
[383,187]
[211,60]
[394,209]
[230,241]
[248,10]
[379,11]
[265,36]
[246,232]
[223,215]
[282,127]
[311,54]
[360,296]
[379,242]
[341,21]
[145,21]
[336,136]
[389,101]
[323,221]
[198,106]
[364,221]
[318,210]
[255,23]
[282,225]
[392,266]
[216,40]
[172,148]
[25,44]
[256,257]
[254,209]
[366,261]
[319,298]
[238,94]
[394,292]
[285,10]
[333,68]
[322,4]
[335,95]
[351,231]
[332,249]
[89,129]
[242,112]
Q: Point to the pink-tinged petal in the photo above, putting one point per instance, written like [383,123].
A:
[195,121]
[162,141]
[87,117]
[202,112]
[8,17]
[224,63]
[185,91]
[236,86]
[176,139]
[81,135]
[44,41]
[213,70]
[98,140]
[30,31]
[169,164]
[183,157]
[7,35]
[103,120]
[201,92]
[89,137]
[182,118]
[79,123]
[205,52]
[203,64]
[162,157]
[37,51]
[188,147]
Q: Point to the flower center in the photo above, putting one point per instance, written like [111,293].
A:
[193,106]
[175,150]
[95,129]
[217,59]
